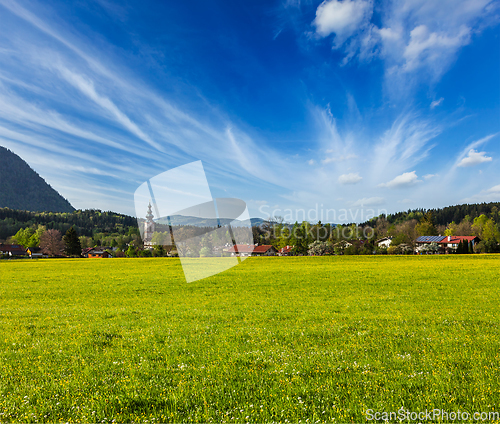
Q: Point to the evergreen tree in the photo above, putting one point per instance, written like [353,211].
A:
[72,245]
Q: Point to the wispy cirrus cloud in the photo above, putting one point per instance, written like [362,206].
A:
[436,103]
[78,105]
[86,86]
[341,158]
[76,98]
[404,145]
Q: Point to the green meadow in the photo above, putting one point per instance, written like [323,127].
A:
[311,339]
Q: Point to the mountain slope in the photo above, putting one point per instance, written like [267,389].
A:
[22,188]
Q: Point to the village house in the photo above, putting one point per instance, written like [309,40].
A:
[450,243]
[252,250]
[446,243]
[342,244]
[95,252]
[12,250]
[35,252]
[286,251]
[384,242]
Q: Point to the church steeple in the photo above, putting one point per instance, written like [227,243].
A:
[149,215]
[149,227]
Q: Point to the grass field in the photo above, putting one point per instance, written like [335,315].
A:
[273,339]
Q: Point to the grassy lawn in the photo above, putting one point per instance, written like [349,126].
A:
[273,339]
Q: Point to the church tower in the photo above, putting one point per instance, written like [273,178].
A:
[149,227]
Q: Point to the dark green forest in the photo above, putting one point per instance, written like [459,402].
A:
[86,223]
[442,216]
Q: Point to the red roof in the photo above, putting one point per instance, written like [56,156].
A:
[457,239]
[263,249]
[286,249]
[250,248]
[242,248]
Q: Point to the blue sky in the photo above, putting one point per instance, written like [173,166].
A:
[349,104]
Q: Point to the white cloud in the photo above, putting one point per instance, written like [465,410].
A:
[466,151]
[490,195]
[342,18]
[429,176]
[368,201]
[351,178]
[474,158]
[436,103]
[311,162]
[431,48]
[403,180]
[495,189]
[412,34]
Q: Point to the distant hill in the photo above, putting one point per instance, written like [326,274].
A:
[207,222]
[442,216]
[23,189]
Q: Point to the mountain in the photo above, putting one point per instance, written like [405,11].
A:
[22,188]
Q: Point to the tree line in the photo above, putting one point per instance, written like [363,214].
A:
[92,223]
[316,239]
[94,228]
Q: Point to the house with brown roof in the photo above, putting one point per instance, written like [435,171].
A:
[95,252]
[35,252]
[12,250]
[252,250]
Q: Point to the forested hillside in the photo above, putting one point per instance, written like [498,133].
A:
[22,188]
[445,215]
[87,222]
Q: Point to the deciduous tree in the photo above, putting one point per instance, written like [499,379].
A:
[51,243]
